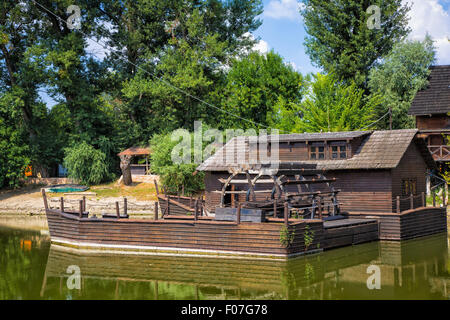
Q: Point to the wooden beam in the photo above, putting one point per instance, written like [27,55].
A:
[286,214]
[238,214]
[44,197]
[80,213]
[309,181]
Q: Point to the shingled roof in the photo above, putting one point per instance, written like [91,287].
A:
[379,150]
[435,98]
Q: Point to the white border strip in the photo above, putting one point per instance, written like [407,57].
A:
[168,251]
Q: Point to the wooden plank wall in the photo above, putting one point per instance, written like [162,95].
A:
[350,235]
[411,166]
[363,190]
[261,238]
[409,224]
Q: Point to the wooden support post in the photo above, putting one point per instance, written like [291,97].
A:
[168,204]
[201,207]
[44,196]
[434,198]
[117,209]
[398,204]
[156,210]
[275,208]
[286,214]
[84,203]
[238,214]
[81,209]
[125,206]
[196,210]
[424,203]
[320,207]
[411,201]
[156,187]
[61,204]
[443,195]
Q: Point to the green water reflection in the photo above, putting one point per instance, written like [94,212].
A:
[31,268]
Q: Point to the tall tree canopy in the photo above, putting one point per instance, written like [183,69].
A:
[255,86]
[340,41]
[397,79]
[329,106]
[110,103]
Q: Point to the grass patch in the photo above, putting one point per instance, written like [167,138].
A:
[138,190]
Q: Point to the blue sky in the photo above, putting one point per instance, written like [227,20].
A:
[283,30]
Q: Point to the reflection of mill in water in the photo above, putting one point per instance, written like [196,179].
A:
[409,269]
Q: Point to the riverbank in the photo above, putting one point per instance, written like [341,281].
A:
[24,207]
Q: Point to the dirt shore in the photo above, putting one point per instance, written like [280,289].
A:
[24,207]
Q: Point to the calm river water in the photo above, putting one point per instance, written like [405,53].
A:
[31,268]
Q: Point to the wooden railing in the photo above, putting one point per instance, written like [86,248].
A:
[440,152]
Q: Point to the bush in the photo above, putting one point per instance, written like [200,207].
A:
[173,176]
[86,164]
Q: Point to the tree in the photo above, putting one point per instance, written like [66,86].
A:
[340,41]
[330,106]
[254,85]
[174,176]
[184,43]
[398,77]
[86,164]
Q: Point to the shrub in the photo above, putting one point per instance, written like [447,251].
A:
[86,164]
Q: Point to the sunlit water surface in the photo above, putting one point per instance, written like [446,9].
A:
[31,268]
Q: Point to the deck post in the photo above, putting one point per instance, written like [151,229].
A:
[320,207]
[125,206]
[196,210]
[168,204]
[443,195]
[424,204]
[81,209]
[286,214]
[434,198]
[411,201]
[156,187]
[61,204]
[275,208]
[84,203]
[398,204]
[156,210]
[44,196]
[190,201]
[117,209]
[238,214]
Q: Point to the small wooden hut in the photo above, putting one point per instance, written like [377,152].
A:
[137,155]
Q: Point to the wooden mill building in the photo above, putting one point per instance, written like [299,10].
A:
[430,108]
[373,169]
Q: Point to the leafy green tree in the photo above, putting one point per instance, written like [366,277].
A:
[14,155]
[86,164]
[191,44]
[398,77]
[174,176]
[254,86]
[340,41]
[330,106]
